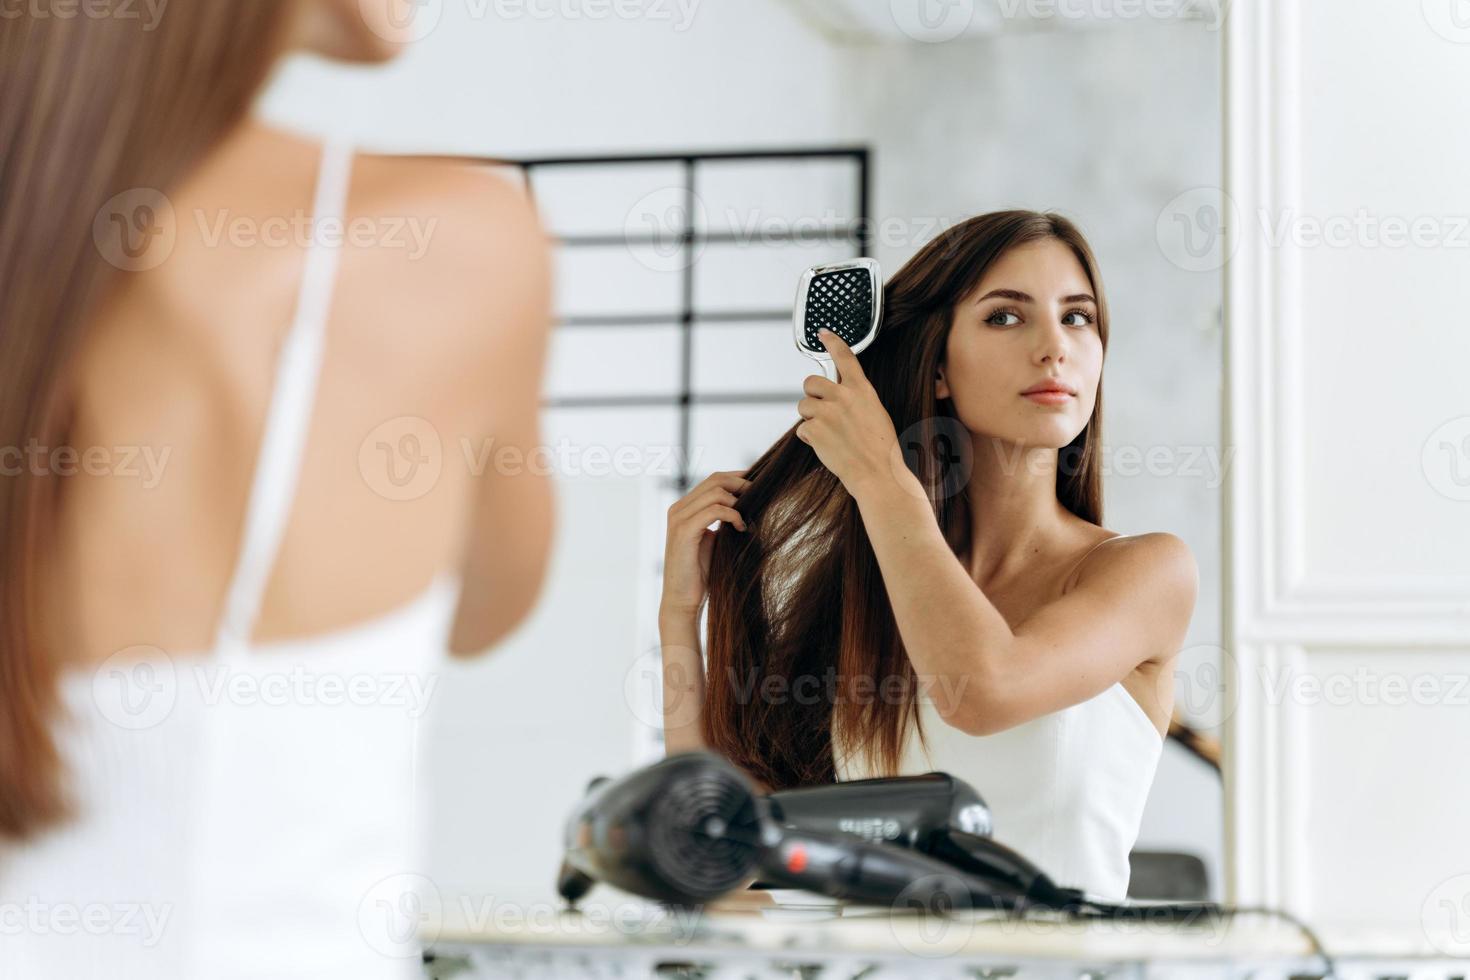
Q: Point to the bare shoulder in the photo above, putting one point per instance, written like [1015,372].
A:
[1158,557]
[451,259]
[467,198]
[442,221]
[441,301]
[1158,566]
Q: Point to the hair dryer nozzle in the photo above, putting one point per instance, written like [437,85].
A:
[684,830]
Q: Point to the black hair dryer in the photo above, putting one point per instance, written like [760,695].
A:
[691,828]
[934,814]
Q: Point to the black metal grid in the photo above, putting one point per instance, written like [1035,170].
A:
[858,232]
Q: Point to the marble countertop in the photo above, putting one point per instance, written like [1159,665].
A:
[752,922]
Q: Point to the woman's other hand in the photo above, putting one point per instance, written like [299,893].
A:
[689,541]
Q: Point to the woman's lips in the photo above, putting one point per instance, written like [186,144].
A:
[1049,397]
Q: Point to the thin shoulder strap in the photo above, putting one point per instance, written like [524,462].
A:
[288,419]
[1077,567]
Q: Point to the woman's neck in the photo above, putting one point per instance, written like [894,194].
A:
[1016,517]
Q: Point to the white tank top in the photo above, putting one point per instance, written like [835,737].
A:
[1066,790]
[252,810]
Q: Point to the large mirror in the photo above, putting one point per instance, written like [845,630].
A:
[690,160]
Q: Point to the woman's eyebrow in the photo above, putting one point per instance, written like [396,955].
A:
[1020,297]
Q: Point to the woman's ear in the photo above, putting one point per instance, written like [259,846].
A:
[941,386]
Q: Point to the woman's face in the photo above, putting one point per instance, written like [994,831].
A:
[1031,319]
[360,30]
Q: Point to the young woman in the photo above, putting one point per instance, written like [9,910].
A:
[210,425]
[915,577]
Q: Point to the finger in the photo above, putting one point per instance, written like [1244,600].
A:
[722,513]
[701,517]
[848,369]
[714,495]
[807,408]
[819,386]
[729,479]
[699,497]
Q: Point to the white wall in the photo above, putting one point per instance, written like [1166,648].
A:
[1350,508]
[735,74]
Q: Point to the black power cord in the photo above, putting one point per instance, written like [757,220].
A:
[1045,896]
[1108,911]
[1073,902]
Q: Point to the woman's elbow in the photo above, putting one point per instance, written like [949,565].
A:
[974,714]
[469,639]
[481,626]
[971,721]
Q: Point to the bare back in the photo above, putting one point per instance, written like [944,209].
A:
[434,359]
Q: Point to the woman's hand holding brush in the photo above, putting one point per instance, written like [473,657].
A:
[847,424]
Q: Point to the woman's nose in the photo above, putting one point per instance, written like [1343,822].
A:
[1052,343]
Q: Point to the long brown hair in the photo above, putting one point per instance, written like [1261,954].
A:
[95,105]
[805,655]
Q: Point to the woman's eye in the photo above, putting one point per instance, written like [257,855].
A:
[998,313]
[1084,318]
